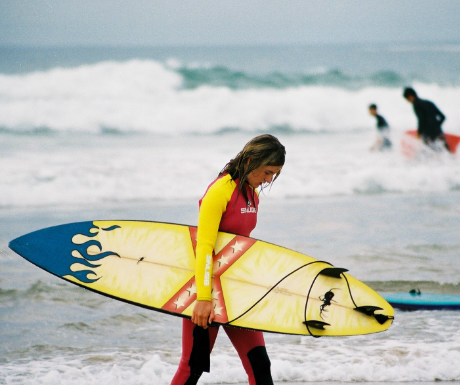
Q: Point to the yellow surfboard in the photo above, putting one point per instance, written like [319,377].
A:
[256,285]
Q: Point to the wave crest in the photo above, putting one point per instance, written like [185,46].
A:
[147,96]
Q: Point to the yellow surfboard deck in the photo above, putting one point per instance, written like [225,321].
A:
[256,285]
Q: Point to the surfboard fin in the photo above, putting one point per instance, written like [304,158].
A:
[382,318]
[333,272]
[316,324]
[370,311]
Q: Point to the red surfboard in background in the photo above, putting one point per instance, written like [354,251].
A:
[411,145]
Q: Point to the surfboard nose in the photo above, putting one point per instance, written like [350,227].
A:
[54,250]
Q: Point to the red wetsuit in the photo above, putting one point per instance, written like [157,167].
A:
[222,208]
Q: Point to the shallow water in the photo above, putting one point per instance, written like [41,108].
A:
[54,332]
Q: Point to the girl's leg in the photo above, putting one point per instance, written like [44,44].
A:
[250,346]
[197,344]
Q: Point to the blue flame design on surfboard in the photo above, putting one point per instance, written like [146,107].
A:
[58,257]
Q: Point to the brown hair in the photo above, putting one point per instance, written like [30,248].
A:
[263,150]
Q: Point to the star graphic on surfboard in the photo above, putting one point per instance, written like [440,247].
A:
[236,247]
[223,260]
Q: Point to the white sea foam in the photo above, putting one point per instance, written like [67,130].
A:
[116,131]
[147,96]
[87,169]
[428,354]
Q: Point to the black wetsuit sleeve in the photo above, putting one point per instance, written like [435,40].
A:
[439,115]
[429,118]
[381,122]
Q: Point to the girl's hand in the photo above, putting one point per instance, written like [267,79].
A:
[203,313]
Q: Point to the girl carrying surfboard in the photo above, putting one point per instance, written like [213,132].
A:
[229,204]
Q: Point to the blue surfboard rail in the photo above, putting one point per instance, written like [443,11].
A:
[416,300]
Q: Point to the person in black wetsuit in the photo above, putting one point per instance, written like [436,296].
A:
[430,119]
[383,142]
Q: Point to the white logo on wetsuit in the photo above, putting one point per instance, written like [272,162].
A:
[207,271]
[249,209]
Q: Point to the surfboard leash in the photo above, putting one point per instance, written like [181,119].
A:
[317,324]
[272,288]
[368,310]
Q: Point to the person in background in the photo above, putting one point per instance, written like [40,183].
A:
[383,142]
[429,117]
[229,204]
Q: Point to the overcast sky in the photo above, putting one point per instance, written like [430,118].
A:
[205,22]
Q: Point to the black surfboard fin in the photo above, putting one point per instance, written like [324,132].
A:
[382,318]
[370,311]
[316,324]
[333,272]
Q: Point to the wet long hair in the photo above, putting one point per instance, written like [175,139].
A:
[263,150]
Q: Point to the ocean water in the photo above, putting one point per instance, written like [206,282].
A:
[138,133]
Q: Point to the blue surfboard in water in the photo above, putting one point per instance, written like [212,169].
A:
[416,300]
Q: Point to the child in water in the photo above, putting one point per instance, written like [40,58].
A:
[383,142]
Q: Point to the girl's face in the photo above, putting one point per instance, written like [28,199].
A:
[262,175]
